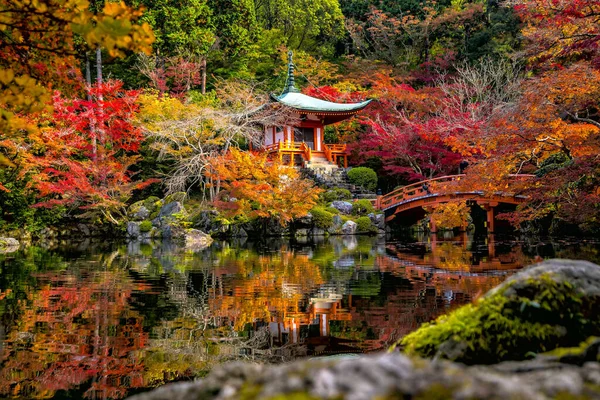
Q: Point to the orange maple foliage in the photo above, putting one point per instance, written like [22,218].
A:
[450,215]
[71,335]
[255,187]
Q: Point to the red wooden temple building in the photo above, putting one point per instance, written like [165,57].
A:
[304,144]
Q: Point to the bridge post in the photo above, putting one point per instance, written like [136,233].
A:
[432,227]
[489,207]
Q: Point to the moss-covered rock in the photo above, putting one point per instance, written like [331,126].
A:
[336,194]
[387,377]
[362,207]
[549,305]
[364,225]
[177,196]
[321,218]
[145,226]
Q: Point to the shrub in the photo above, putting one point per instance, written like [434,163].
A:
[145,226]
[322,218]
[363,224]
[363,176]
[332,210]
[337,194]
[362,207]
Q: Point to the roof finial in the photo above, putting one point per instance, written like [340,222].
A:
[290,86]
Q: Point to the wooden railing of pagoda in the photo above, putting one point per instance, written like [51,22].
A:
[281,149]
[333,152]
[306,151]
[327,152]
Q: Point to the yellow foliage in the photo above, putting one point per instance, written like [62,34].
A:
[258,188]
[450,215]
[39,50]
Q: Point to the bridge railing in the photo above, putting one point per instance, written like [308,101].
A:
[426,187]
[413,190]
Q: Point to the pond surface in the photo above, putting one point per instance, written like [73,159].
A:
[105,320]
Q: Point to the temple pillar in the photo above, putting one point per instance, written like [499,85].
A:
[319,140]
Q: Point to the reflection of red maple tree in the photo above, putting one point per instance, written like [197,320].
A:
[72,333]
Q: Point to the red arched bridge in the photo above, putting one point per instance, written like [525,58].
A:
[428,194]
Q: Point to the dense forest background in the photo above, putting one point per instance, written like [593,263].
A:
[105,103]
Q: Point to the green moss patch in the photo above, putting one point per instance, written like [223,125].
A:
[322,218]
[537,317]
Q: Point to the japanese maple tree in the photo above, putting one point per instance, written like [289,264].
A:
[88,149]
[256,188]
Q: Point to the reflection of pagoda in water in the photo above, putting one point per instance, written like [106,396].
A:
[351,301]
[312,329]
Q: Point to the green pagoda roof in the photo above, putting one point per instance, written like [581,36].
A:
[292,97]
[311,104]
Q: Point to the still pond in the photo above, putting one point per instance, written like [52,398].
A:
[105,320]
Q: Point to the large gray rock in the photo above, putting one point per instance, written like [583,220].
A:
[342,206]
[9,245]
[133,229]
[301,232]
[169,209]
[141,214]
[197,240]
[378,220]
[209,221]
[9,242]
[138,211]
[583,275]
[349,228]
[307,220]
[388,376]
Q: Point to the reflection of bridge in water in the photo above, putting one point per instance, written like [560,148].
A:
[423,196]
[418,289]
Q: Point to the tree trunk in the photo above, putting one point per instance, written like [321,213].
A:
[88,79]
[203,67]
[98,65]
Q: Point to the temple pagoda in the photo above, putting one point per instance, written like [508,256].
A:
[304,144]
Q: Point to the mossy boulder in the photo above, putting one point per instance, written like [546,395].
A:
[336,194]
[386,377]
[548,305]
[321,218]
[364,225]
[362,207]
[177,196]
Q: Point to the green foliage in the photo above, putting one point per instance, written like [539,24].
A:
[16,209]
[145,226]
[336,194]
[322,218]
[332,210]
[313,26]
[364,224]
[180,26]
[552,163]
[363,176]
[362,207]
[508,327]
